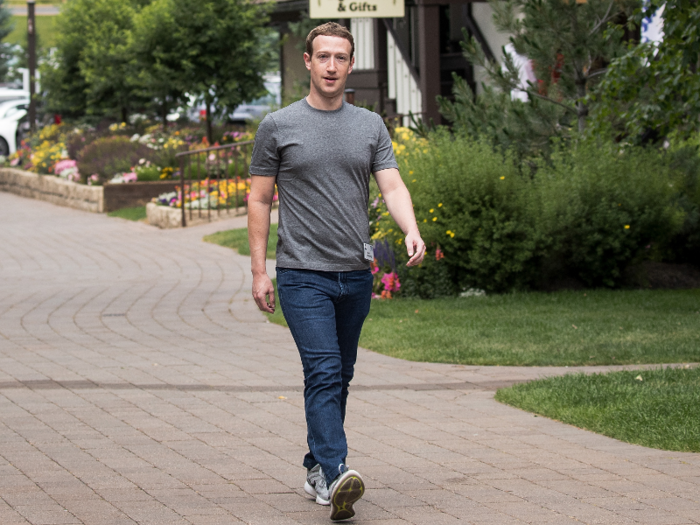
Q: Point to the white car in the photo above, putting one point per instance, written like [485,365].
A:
[11,112]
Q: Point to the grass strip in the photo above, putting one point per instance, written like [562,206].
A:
[46,31]
[238,240]
[132,214]
[652,408]
[593,327]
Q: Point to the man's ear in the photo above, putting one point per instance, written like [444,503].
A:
[307,61]
[352,63]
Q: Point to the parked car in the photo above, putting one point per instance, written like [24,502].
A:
[11,113]
[248,111]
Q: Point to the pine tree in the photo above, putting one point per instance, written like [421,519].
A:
[6,27]
[570,44]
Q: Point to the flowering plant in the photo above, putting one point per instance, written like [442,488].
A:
[209,194]
[386,280]
[67,169]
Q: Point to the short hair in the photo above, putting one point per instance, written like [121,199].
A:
[329,29]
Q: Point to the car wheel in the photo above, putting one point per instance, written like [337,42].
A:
[4,148]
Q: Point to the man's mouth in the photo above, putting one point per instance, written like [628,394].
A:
[330,79]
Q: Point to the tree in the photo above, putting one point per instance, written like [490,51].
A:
[90,72]
[211,49]
[569,44]
[6,26]
[653,89]
[155,68]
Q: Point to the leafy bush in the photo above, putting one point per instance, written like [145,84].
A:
[588,213]
[111,155]
[471,202]
[684,246]
[604,207]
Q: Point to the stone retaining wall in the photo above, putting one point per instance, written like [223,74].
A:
[165,217]
[52,189]
[132,194]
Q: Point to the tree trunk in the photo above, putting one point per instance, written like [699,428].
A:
[581,108]
[124,114]
[210,130]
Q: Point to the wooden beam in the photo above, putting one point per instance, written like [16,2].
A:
[429,59]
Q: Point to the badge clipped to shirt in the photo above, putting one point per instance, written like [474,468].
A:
[369,252]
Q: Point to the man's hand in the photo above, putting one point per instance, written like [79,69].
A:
[415,247]
[264,293]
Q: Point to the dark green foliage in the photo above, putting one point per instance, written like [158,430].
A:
[653,89]
[570,45]
[111,155]
[213,49]
[652,408]
[429,280]
[684,246]
[588,214]
[471,202]
[6,27]
[604,207]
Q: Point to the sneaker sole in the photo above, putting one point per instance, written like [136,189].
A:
[349,489]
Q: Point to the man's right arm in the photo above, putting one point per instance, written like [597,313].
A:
[262,191]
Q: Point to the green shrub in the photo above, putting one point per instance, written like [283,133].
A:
[472,203]
[684,246]
[604,207]
[111,155]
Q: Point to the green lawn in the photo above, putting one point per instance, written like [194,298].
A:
[596,327]
[238,240]
[658,411]
[132,214]
[46,31]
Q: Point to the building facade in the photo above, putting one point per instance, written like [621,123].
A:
[401,64]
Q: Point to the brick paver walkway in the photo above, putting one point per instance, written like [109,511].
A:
[138,384]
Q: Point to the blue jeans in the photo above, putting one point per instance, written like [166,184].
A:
[325,312]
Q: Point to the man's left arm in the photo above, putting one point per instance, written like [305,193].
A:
[398,202]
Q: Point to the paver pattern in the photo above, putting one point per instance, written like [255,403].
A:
[139,384]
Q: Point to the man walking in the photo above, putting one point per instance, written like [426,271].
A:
[320,151]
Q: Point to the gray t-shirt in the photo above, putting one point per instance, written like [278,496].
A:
[322,161]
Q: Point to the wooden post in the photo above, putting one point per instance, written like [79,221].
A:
[429,59]
[31,44]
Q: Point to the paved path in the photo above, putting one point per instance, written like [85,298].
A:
[138,384]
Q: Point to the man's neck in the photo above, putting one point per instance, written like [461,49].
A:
[317,101]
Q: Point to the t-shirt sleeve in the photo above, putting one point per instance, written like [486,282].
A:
[384,157]
[265,160]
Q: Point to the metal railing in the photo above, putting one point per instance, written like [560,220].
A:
[214,180]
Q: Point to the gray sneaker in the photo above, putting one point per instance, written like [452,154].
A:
[345,490]
[316,485]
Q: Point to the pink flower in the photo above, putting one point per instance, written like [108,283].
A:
[64,165]
[130,177]
[391,282]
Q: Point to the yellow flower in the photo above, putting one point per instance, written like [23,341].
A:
[432,210]
[410,172]
[414,180]
[440,205]
[450,233]
[434,219]
[502,178]
[627,226]
[425,220]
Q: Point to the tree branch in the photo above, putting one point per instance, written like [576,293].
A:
[602,20]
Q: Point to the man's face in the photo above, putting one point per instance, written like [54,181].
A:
[330,65]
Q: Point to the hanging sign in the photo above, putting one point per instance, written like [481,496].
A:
[356,9]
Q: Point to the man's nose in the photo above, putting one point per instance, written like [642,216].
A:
[331,65]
